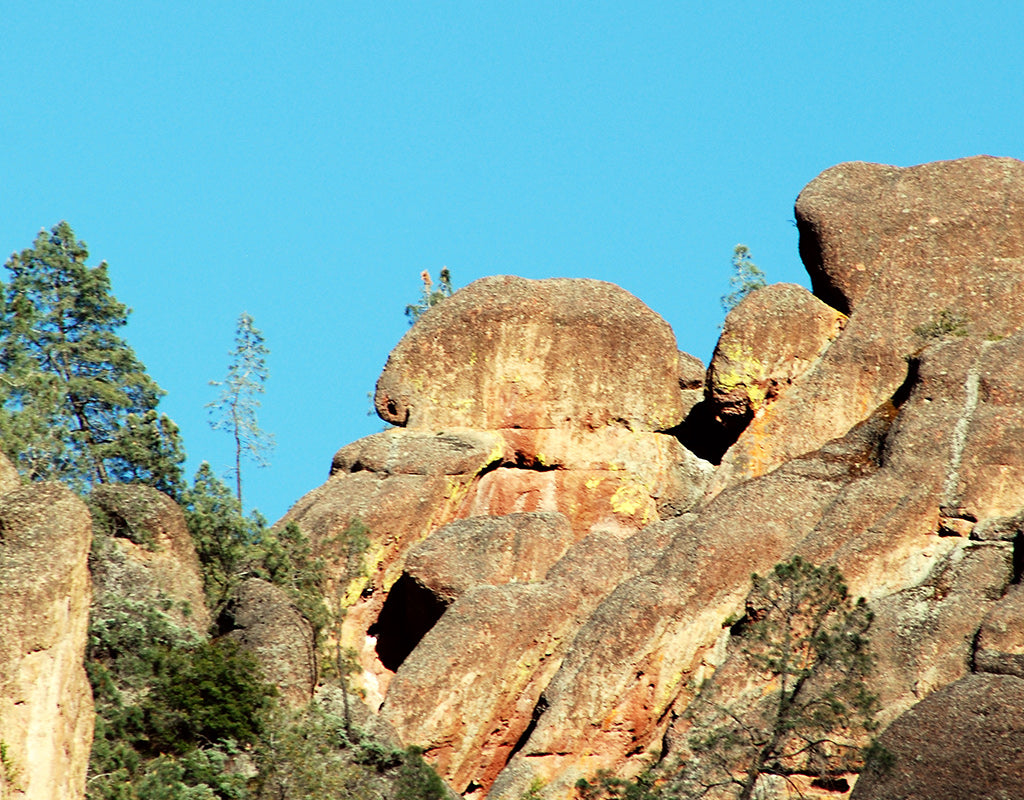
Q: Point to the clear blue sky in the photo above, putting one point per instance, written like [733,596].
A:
[305,161]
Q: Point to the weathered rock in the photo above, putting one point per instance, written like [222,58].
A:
[924,636]
[894,248]
[46,710]
[468,693]
[518,548]
[771,338]
[651,642]
[963,742]
[601,480]
[410,452]
[692,374]
[868,502]
[505,352]
[264,621]
[396,512]
[9,478]
[1000,643]
[154,559]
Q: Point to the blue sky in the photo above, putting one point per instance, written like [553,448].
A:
[305,161]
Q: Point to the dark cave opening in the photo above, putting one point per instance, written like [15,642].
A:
[409,611]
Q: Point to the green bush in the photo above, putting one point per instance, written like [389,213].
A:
[213,693]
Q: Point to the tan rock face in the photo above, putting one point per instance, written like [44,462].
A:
[870,503]
[768,341]
[1000,644]
[894,248]
[506,352]
[470,689]
[959,743]
[156,558]
[46,710]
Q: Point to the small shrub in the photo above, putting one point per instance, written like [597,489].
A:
[943,325]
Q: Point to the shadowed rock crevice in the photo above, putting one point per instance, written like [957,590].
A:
[409,612]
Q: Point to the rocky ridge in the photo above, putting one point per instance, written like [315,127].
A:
[537,567]
[870,425]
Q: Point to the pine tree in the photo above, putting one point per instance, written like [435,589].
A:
[746,277]
[75,402]
[236,408]
[803,651]
[430,296]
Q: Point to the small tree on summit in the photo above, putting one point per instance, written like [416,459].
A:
[430,296]
[746,277]
[235,410]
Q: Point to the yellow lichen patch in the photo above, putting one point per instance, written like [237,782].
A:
[593,483]
[630,498]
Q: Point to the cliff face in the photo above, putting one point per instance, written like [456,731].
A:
[46,719]
[874,424]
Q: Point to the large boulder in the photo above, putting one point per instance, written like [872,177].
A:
[262,619]
[149,556]
[879,503]
[46,708]
[909,254]
[963,742]
[506,352]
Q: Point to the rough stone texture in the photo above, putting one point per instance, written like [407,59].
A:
[1000,644]
[400,451]
[771,338]
[692,374]
[925,634]
[518,548]
[869,502]
[506,352]
[9,478]
[963,742]
[397,511]
[602,480]
[155,558]
[469,691]
[892,248]
[263,620]
[46,710]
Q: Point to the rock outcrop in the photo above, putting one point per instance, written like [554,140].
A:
[517,397]
[538,571]
[149,556]
[264,621]
[506,352]
[900,251]
[46,710]
[962,742]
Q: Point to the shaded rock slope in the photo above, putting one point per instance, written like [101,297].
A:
[567,513]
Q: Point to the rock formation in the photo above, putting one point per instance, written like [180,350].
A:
[549,566]
[543,563]
[151,557]
[46,719]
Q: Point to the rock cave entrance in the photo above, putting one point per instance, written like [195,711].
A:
[409,611]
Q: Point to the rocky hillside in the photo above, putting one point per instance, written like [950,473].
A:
[536,572]
[567,512]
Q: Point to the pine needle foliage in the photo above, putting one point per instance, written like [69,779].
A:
[804,645]
[76,404]
[746,278]
[430,296]
[235,409]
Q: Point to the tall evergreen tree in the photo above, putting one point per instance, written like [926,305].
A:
[236,407]
[75,402]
